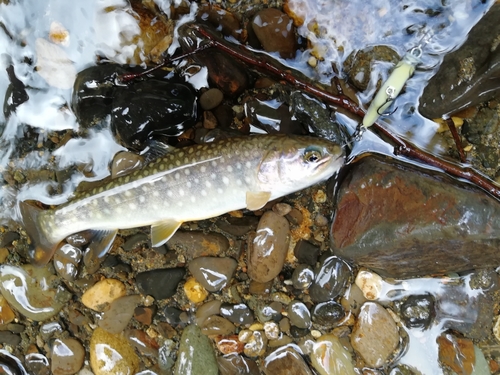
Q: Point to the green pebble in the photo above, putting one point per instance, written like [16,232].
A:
[196,355]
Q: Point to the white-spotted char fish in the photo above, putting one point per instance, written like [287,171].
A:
[191,183]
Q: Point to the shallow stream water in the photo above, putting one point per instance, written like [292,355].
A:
[106,29]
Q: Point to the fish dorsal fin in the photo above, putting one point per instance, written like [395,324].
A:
[161,233]
[155,150]
[257,199]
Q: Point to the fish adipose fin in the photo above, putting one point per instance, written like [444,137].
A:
[257,199]
[161,233]
[42,248]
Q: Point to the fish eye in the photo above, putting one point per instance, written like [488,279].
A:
[312,155]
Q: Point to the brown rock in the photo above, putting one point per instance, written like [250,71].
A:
[285,361]
[375,336]
[195,244]
[457,353]
[268,248]
[401,220]
[275,31]
[145,315]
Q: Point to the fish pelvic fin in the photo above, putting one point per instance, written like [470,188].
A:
[42,247]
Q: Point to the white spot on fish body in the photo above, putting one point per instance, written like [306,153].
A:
[204,193]
[248,164]
[220,191]
[181,192]
[213,176]
[128,193]
[156,194]
[193,198]
[170,194]
[238,182]
[179,203]
[238,165]
[208,184]
[203,169]
[132,206]
[196,180]
[214,163]
[189,184]
[229,168]
[142,199]
[177,176]
[187,172]
[247,179]
[225,180]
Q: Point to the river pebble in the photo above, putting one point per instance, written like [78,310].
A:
[299,314]
[302,277]
[229,344]
[172,315]
[269,311]
[9,338]
[117,316]
[256,344]
[329,357]
[196,355]
[48,330]
[375,336]
[306,252]
[234,364]
[286,361]
[238,226]
[328,313]
[195,292]
[111,354]
[213,273]
[160,283]
[125,162]
[217,325]
[238,314]
[145,314]
[102,293]
[332,277]
[37,363]
[207,309]
[194,244]
[267,250]
[67,356]
[32,291]
[271,330]
[142,342]
[456,353]
[211,99]
[418,311]
[275,31]
[66,261]
[6,313]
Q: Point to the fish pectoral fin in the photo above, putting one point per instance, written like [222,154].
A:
[98,247]
[161,233]
[257,199]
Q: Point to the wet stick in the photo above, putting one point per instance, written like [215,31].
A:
[401,147]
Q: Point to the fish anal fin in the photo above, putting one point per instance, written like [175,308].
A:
[42,247]
[161,233]
[257,199]
[98,247]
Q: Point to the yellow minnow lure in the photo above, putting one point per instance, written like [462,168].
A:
[392,87]
[191,183]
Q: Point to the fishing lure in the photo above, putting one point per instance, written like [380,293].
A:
[390,89]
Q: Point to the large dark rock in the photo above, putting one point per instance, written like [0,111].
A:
[469,75]
[402,220]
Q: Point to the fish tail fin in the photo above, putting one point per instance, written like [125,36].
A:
[42,247]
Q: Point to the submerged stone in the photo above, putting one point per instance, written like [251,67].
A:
[401,220]
[286,361]
[32,291]
[196,355]
[469,75]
